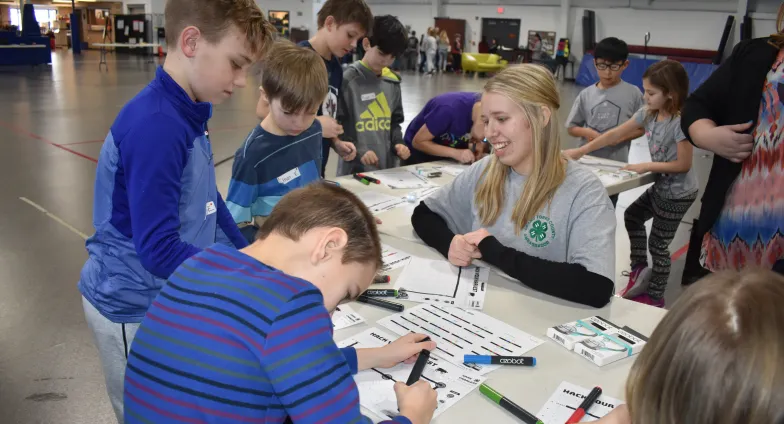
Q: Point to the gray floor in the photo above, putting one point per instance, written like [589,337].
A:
[52,122]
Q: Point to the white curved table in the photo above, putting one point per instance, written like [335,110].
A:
[527,310]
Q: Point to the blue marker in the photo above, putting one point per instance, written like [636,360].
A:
[526,361]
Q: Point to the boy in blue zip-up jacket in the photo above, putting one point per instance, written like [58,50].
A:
[156,201]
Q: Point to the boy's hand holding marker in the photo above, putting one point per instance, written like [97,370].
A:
[405,349]
[418,401]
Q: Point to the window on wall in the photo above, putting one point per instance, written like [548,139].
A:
[45,17]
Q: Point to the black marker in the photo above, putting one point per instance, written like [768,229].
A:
[380,293]
[419,365]
[392,306]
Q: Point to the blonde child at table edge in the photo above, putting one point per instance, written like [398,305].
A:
[715,358]
[666,86]
[526,209]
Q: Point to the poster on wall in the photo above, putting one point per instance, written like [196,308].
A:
[546,38]
[280,20]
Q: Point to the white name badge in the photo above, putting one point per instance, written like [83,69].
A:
[211,209]
[368,97]
[289,176]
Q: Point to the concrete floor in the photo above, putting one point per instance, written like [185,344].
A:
[52,122]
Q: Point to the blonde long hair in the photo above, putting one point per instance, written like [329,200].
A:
[532,87]
[715,358]
[444,37]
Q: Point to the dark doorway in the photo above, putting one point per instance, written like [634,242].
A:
[506,31]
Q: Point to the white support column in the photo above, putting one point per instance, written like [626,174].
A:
[743,7]
[435,8]
[21,6]
[564,29]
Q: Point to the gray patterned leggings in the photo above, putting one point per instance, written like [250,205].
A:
[667,215]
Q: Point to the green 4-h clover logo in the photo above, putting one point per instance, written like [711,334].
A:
[540,231]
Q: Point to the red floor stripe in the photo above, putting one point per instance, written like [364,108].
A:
[25,133]
[680,252]
[82,142]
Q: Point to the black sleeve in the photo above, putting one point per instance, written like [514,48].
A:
[432,229]
[567,281]
[564,280]
[709,101]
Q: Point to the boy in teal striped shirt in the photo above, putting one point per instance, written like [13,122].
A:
[246,335]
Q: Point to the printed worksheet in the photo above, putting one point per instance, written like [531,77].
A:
[453,170]
[379,202]
[401,178]
[439,282]
[608,172]
[567,398]
[451,382]
[393,258]
[344,317]
[459,332]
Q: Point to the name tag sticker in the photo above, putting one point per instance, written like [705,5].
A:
[368,97]
[289,176]
[211,209]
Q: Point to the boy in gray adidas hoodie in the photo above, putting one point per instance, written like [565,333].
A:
[371,105]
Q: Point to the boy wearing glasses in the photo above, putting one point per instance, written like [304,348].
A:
[608,103]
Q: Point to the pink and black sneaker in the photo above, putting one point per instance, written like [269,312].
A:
[639,279]
[646,299]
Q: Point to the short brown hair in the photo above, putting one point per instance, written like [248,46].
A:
[672,79]
[295,75]
[214,17]
[321,205]
[716,357]
[347,12]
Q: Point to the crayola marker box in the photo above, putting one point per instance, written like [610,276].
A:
[610,347]
[567,335]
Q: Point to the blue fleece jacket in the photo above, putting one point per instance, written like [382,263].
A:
[156,203]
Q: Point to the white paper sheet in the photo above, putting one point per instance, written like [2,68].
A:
[379,202]
[401,178]
[376,393]
[344,317]
[459,332]
[567,398]
[441,283]
[453,170]
[608,172]
[393,258]
[120,24]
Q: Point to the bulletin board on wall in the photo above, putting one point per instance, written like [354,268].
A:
[132,29]
[548,41]
[280,20]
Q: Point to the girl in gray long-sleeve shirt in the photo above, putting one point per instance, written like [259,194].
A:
[538,217]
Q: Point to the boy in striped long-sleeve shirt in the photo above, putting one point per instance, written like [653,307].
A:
[246,336]
[284,151]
